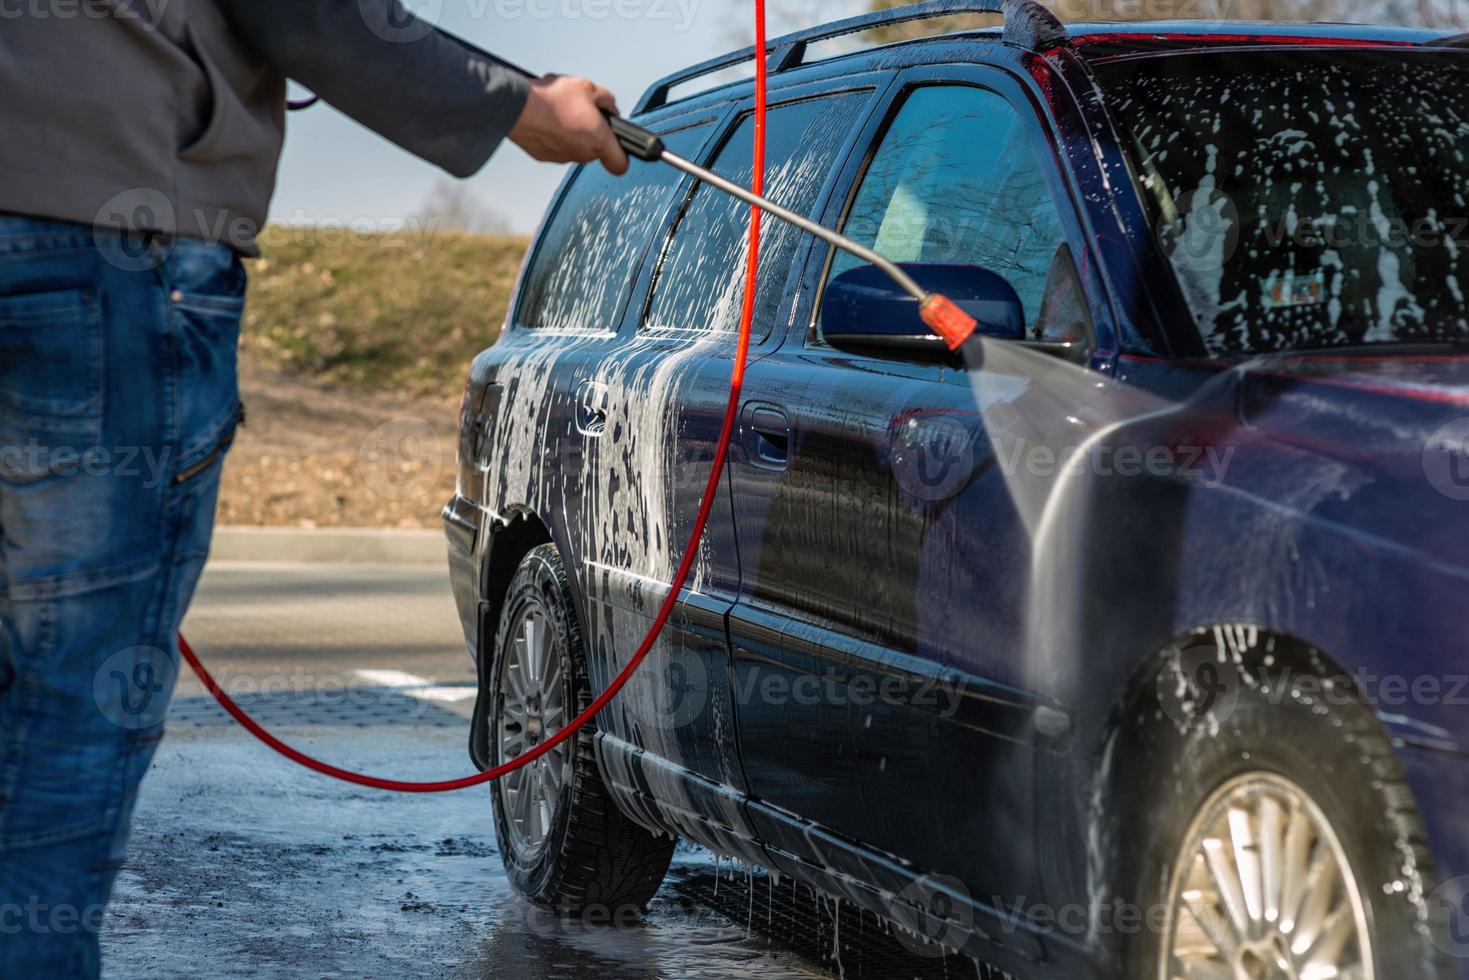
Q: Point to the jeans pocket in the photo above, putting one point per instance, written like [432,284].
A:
[51,382]
[206,276]
[206,300]
[51,355]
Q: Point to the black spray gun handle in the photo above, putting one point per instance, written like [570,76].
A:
[636,141]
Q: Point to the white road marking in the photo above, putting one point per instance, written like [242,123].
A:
[416,687]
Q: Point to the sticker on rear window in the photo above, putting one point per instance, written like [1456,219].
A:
[1294,290]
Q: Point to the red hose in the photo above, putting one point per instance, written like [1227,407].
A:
[736,382]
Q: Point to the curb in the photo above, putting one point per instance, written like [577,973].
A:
[329,544]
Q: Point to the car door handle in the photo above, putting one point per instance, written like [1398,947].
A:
[591,408]
[767,435]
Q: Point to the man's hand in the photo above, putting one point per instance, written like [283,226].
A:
[563,123]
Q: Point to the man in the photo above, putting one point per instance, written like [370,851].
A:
[138,146]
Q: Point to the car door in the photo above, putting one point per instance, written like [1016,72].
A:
[578,312]
[884,564]
[652,407]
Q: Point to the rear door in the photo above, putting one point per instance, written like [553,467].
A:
[586,447]
[651,406]
[878,627]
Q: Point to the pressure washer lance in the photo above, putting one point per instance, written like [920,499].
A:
[939,312]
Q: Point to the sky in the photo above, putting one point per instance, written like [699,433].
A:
[336,173]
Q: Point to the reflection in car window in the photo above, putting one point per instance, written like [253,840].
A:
[955,180]
[1307,200]
[583,267]
[701,280]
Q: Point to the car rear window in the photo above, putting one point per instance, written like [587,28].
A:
[585,258]
[1307,199]
[701,279]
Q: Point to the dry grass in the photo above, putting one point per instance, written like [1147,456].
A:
[401,312]
[353,356]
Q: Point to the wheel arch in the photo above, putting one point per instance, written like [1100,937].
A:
[513,535]
[1140,722]
[1137,709]
[518,530]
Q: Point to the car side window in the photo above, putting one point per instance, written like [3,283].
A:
[699,285]
[955,179]
[584,262]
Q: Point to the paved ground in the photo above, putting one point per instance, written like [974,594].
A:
[244,865]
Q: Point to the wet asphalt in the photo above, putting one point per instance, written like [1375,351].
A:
[245,865]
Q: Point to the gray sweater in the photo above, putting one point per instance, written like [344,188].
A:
[169,115]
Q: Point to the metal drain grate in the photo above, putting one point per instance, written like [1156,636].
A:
[810,925]
[361,708]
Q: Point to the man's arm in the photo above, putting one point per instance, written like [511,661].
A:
[434,95]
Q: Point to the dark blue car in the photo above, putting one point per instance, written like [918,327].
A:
[1134,647]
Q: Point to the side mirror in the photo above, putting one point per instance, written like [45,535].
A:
[865,312]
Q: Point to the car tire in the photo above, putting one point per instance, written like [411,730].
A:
[1318,759]
[580,855]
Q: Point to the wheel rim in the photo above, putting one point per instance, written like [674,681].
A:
[532,708]
[1262,890]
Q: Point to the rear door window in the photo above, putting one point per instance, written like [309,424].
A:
[586,258]
[955,179]
[700,282]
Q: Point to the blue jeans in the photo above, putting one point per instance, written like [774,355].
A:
[118,398]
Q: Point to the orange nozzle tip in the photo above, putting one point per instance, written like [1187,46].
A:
[947,320]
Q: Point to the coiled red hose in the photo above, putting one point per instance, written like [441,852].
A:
[686,564]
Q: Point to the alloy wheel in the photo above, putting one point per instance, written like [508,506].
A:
[1262,890]
[532,708]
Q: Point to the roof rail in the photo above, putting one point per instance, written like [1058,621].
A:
[1028,24]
